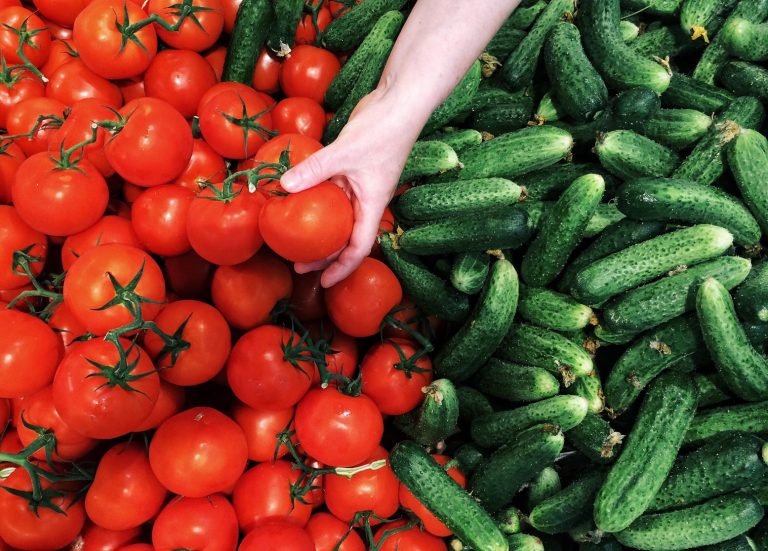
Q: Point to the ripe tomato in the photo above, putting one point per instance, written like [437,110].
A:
[94,406]
[342,355]
[336,429]
[205,166]
[5,413]
[309,225]
[179,77]
[261,427]
[358,304]
[327,531]
[204,523]
[266,73]
[276,534]
[170,401]
[66,325]
[142,151]
[132,89]
[88,286]
[24,116]
[307,299]
[38,45]
[365,491]
[299,116]
[412,539]
[61,12]
[306,33]
[62,51]
[159,217]
[109,229]
[16,85]
[308,72]
[199,31]
[216,59]
[230,13]
[10,160]
[266,370]
[96,538]
[74,81]
[198,452]
[340,7]
[15,235]
[188,275]
[124,493]
[29,354]
[247,293]
[297,148]
[101,44]
[208,342]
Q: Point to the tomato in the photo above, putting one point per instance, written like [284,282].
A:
[74,81]
[96,538]
[308,72]
[101,44]
[336,429]
[88,286]
[142,151]
[342,355]
[15,235]
[247,293]
[23,527]
[340,7]
[56,200]
[23,117]
[216,59]
[327,532]
[16,85]
[138,547]
[92,405]
[261,428]
[124,493]
[159,217]
[199,31]
[170,401]
[225,232]
[412,539]
[198,452]
[206,333]
[307,299]
[29,354]
[11,157]
[266,73]
[297,148]
[109,229]
[62,51]
[61,12]
[358,304]
[132,89]
[306,33]
[5,414]
[179,77]
[38,43]
[407,313]
[430,522]
[277,535]
[299,116]
[204,166]
[203,524]
[66,325]
[265,491]
[230,13]
[188,275]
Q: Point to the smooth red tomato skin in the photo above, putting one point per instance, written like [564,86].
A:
[266,73]
[296,146]
[159,217]
[308,72]
[62,51]
[197,35]
[336,429]
[226,137]
[132,89]
[74,81]
[230,13]
[5,412]
[138,547]
[109,229]
[10,161]
[413,539]
[23,117]
[179,77]
[343,354]
[216,59]
[95,538]
[299,116]
[124,493]
[29,354]
[327,531]
[16,235]
[358,304]
[204,524]
[205,165]
[261,428]
[36,50]
[247,293]
[207,333]
[277,535]
[66,325]
[307,298]
[198,452]
[23,85]
[170,401]
[188,275]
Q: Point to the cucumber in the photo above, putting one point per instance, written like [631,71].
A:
[606,214]
[628,155]
[710,391]
[427,158]
[745,79]
[688,93]
[469,272]
[703,18]
[510,519]
[757,333]
[679,200]
[550,182]
[606,543]
[748,161]
[751,297]
[504,42]
[739,418]
[502,427]
[648,260]
[457,101]
[437,416]
[743,369]
[595,438]
[498,478]
[543,485]
[629,31]
[760,535]
[503,117]
[472,345]
[591,389]
[444,498]
[677,128]
[525,16]
[283,31]
[631,108]
[469,457]
[457,139]
[676,343]
[652,7]
[746,39]
[472,404]
[606,336]
[661,42]
[715,521]
[254,19]
[728,464]
[525,542]
[740,543]
[553,310]
[520,65]
[515,383]
[620,67]
[549,109]
[645,307]
[429,291]
[570,506]
[348,31]
[648,453]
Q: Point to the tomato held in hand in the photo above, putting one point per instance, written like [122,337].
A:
[204,523]
[299,116]
[277,535]
[180,77]
[159,217]
[199,31]
[261,428]
[16,235]
[328,532]
[308,72]
[29,354]
[205,166]
[109,229]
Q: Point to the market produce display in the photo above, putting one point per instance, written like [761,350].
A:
[558,341]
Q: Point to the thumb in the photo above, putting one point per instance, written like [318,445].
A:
[316,168]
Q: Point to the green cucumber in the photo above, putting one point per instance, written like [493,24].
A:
[745,79]
[629,31]
[525,542]
[444,498]
[553,310]
[457,101]
[591,389]
[437,416]
[469,457]
[740,543]
[647,454]
[751,297]
[498,478]
[606,336]
[515,383]
[743,369]
[606,214]
[715,521]
[628,155]
[545,484]
[661,42]
[595,438]
[757,333]
[427,158]
[653,7]
[510,519]
[475,342]
[570,506]
[711,422]
[504,42]
[525,16]
[282,33]
[549,109]
[748,161]
[685,92]
[703,18]
[677,128]
[457,139]
[550,182]
[472,404]
[469,272]
[760,536]
[710,391]
[606,543]
[503,117]
[632,108]
[348,31]
[254,19]
[745,39]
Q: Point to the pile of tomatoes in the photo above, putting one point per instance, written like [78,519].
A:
[166,380]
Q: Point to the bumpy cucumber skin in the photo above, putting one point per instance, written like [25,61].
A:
[704,14]
[648,452]
[255,17]
[448,501]
[746,39]
[503,117]
[428,157]
[570,506]
[469,272]
[504,42]
[525,16]
[457,102]
[606,214]
[347,32]
[283,32]
[596,439]
[655,7]
[550,182]
[751,297]
[677,128]
[498,478]
[739,418]
[525,542]
[469,457]
[549,109]
[661,42]
[515,383]
[591,389]
[740,543]
[717,520]
[437,416]
[472,404]
[553,310]
[745,79]
[710,392]
[631,108]
[544,485]
[748,160]
[743,369]
[629,155]
[457,139]
[685,92]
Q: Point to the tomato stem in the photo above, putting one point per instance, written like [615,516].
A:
[22,260]
[25,37]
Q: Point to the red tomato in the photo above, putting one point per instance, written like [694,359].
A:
[206,333]
[299,116]
[38,42]
[198,452]
[204,524]
[5,413]
[29,354]
[407,313]
[327,531]
[10,160]
[170,401]
[336,429]
[365,491]
[24,116]
[16,86]
[132,89]
[179,77]
[261,428]
[101,44]
[216,59]
[74,81]
[88,286]
[412,539]
[159,217]
[109,229]
[142,151]
[6,3]
[230,13]
[62,51]
[342,353]
[277,535]
[66,325]
[205,166]
[266,73]
[90,403]
[247,293]
[124,493]
[308,72]
[138,547]
[96,538]
[340,7]
[15,235]
[297,148]
[199,31]
[307,31]
[358,304]
[61,12]
[188,275]
[308,299]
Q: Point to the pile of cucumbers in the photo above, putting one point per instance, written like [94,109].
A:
[586,212]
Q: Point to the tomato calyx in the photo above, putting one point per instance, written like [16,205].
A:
[50,289]
[126,296]
[121,373]
[25,37]
[10,75]
[409,364]
[128,30]
[173,345]
[249,123]
[270,172]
